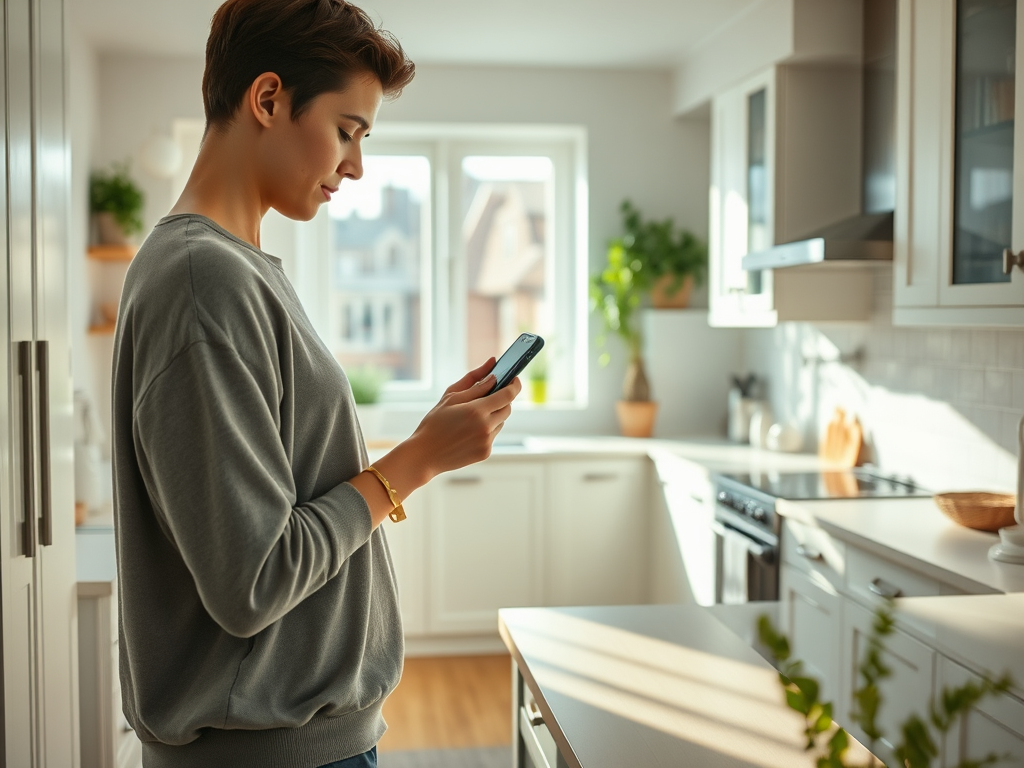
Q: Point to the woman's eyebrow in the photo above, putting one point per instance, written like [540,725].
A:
[357,119]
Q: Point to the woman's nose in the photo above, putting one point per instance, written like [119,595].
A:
[351,166]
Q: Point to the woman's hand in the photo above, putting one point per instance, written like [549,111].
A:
[458,431]
[461,428]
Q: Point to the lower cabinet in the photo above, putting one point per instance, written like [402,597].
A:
[811,617]
[908,690]
[107,741]
[596,530]
[485,545]
[516,532]
[995,725]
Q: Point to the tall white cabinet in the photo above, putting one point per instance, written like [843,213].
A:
[960,193]
[37,553]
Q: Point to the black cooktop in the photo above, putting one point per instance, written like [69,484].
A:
[842,484]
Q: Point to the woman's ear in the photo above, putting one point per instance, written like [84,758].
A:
[267,99]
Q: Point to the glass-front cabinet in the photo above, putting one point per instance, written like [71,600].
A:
[785,161]
[960,196]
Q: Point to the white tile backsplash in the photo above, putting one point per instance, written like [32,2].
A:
[941,404]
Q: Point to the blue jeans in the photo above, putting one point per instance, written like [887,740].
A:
[365,760]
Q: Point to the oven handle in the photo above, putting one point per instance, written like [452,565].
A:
[763,553]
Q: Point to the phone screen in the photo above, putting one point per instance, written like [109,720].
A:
[512,356]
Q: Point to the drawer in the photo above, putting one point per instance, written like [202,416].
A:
[869,577]
[814,553]
[541,751]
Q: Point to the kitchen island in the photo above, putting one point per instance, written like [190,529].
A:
[664,685]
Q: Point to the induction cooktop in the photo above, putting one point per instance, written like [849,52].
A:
[832,484]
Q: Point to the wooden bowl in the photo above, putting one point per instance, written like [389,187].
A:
[978,510]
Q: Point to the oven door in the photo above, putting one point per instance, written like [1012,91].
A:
[748,566]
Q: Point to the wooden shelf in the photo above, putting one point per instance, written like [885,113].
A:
[112,252]
[96,330]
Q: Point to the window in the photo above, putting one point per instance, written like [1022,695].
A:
[456,240]
[453,243]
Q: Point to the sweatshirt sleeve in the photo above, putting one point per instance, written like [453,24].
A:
[208,438]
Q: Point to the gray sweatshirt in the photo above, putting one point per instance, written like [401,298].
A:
[259,621]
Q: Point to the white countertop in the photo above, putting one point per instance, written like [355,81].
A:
[662,685]
[916,533]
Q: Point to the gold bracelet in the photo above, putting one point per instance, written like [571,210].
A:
[397,514]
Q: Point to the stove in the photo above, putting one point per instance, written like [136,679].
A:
[748,529]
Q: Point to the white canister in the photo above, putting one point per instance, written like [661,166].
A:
[760,423]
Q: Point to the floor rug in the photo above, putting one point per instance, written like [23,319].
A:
[477,757]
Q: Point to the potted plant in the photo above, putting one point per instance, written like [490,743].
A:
[617,293]
[674,259]
[366,382]
[537,372]
[116,204]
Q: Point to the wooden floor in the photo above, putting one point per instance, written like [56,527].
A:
[447,702]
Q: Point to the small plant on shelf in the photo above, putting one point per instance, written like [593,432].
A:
[920,736]
[116,202]
[367,382]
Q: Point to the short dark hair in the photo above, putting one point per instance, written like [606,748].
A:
[314,46]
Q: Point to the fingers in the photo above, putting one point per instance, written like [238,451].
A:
[472,392]
[505,395]
[471,378]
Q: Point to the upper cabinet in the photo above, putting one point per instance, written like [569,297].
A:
[960,196]
[785,161]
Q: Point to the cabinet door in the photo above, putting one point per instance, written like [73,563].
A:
[486,545]
[996,725]
[742,201]
[597,521]
[689,497]
[22,708]
[811,613]
[908,690]
[407,542]
[55,430]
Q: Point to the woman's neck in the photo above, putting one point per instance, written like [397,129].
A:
[222,187]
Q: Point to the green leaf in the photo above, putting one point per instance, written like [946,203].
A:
[824,721]
[808,687]
[797,701]
[839,742]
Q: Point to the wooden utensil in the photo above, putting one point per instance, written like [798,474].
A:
[843,443]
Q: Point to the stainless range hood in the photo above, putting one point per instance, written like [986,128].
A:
[864,238]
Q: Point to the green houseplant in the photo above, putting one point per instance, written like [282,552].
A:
[647,253]
[116,202]
[367,382]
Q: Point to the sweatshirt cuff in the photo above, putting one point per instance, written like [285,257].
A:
[347,515]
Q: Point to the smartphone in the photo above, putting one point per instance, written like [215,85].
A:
[511,364]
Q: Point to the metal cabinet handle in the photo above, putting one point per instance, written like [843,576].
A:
[810,554]
[883,588]
[45,499]
[533,714]
[463,480]
[28,482]
[698,499]
[593,477]
[1011,260]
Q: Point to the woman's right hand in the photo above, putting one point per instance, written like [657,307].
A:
[456,432]
[461,428]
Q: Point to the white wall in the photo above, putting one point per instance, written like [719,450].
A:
[636,150]
[941,404]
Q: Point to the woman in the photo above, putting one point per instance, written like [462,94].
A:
[259,615]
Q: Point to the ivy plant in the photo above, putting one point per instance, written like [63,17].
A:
[117,194]
[919,737]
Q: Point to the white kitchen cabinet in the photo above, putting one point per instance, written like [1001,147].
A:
[107,741]
[785,161]
[487,545]
[688,496]
[907,691]
[995,725]
[811,616]
[960,195]
[408,542]
[37,565]
[596,520]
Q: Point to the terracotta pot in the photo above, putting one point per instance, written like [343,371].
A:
[108,231]
[636,417]
[662,299]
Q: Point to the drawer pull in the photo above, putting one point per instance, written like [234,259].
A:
[463,480]
[883,588]
[533,714]
[697,498]
[593,477]
[808,553]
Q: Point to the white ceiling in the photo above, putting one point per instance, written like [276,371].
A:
[581,33]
